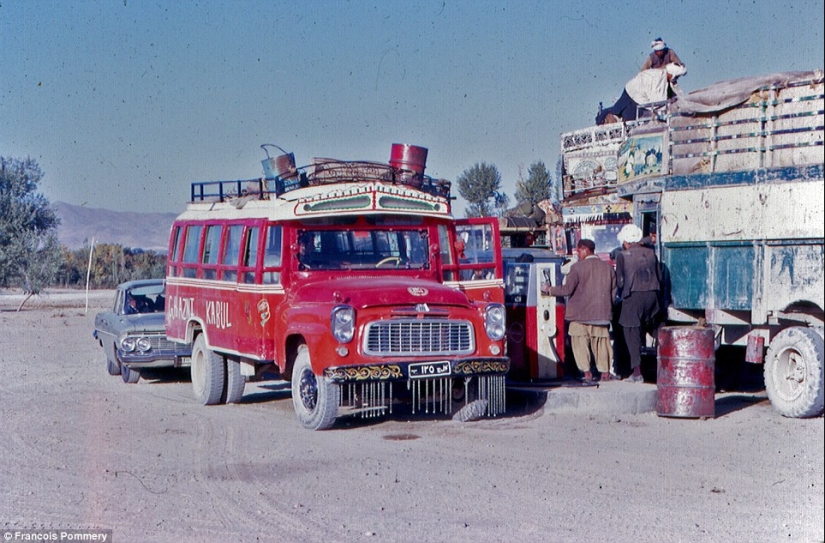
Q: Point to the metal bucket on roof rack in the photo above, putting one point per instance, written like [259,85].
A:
[280,171]
[409,162]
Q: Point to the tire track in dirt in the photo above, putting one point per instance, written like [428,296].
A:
[226,473]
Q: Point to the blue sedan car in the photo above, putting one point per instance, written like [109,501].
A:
[133,332]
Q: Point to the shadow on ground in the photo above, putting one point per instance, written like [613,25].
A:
[730,403]
[520,403]
[739,386]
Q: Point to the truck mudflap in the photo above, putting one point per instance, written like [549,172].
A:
[476,385]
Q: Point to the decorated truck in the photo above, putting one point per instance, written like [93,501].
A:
[349,279]
[729,179]
[590,205]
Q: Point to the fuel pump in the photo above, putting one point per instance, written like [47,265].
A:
[550,324]
[535,331]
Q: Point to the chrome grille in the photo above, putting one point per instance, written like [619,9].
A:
[159,342]
[419,337]
[162,344]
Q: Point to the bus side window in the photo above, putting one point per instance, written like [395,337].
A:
[211,246]
[250,255]
[173,255]
[231,249]
[190,250]
[272,255]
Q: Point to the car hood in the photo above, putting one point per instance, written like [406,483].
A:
[361,292]
[145,322]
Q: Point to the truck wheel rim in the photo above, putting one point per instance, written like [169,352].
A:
[791,372]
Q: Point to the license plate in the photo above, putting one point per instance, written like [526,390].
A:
[429,369]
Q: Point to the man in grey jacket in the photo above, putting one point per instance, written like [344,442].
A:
[591,288]
[638,276]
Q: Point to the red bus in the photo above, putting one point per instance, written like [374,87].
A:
[351,280]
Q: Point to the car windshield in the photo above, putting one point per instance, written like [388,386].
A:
[362,249]
[145,299]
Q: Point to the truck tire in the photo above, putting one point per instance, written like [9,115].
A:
[129,376]
[235,382]
[208,373]
[793,373]
[315,398]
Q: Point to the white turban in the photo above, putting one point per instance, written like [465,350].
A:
[658,44]
[630,233]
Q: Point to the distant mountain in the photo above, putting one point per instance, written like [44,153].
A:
[79,224]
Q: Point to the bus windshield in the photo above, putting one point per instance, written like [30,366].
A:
[330,249]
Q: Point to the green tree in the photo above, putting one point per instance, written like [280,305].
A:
[28,225]
[38,265]
[480,185]
[536,188]
[72,272]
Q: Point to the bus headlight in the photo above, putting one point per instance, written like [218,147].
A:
[343,323]
[494,321]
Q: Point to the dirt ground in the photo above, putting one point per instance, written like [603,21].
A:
[81,449]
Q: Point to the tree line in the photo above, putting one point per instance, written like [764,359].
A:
[480,185]
[32,258]
[108,265]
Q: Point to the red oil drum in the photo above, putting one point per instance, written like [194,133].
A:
[685,372]
[408,157]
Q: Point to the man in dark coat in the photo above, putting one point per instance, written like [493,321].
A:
[591,288]
[638,277]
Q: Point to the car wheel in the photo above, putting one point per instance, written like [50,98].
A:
[129,375]
[235,382]
[112,367]
[794,373]
[208,373]
[315,398]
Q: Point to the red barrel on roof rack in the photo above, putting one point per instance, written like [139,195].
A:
[410,158]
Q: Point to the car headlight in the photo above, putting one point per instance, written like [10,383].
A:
[494,321]
[128,344]
[342,323]
[144,344]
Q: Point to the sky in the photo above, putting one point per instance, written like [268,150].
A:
[124,103]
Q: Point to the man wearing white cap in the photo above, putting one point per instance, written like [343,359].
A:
[638,277]
[661,56]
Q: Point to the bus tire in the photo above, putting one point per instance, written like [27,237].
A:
[794,373]
[315,398]
[235,382]
[129,376]
[208,373]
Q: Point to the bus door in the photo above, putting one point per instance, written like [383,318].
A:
[478,252]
